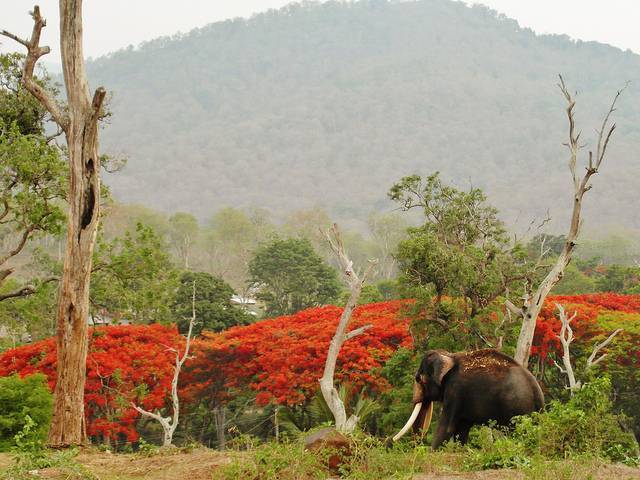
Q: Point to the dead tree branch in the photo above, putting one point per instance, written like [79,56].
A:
[566,338]
[34,52]
[533,305]
[355,282]
[169,424]
[592,360]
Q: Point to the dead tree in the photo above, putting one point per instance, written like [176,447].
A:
[533,301]
[355,282]
[566,338]
[79,122]
[169,424]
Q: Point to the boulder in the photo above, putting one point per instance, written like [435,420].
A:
[333,446]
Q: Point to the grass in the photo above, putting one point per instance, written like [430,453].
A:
[289,462]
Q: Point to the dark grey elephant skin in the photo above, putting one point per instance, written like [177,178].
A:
[475,388]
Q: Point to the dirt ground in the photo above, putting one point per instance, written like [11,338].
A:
[201,464]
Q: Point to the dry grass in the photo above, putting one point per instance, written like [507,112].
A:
[202,464]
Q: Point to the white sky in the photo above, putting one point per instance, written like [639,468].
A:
[113,24]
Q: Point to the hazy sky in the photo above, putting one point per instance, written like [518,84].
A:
[114,24]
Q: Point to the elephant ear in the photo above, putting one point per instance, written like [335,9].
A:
[441,367]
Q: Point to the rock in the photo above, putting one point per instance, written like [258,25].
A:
[328,441]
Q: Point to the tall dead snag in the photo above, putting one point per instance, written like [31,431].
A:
[169,424]
[566,338]
[355,283]
[79,122]
[533,302]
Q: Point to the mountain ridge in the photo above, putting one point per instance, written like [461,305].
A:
[331,103]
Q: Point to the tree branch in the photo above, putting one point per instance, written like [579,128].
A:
[169,424]
[353,280]
[357,331]
[34,52]
[532,310]
[566,337]
[591,361]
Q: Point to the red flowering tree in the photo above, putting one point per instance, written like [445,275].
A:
[282,359]
[124,364]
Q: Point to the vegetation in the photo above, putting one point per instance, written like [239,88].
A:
[26,407]
[33,173]
[214,309]
[289,118]
[462,249]
[134,278]
[290,276]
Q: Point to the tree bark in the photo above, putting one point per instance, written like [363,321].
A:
[355,283]
[220,420]
[79,122]
[68,425]
[533,303]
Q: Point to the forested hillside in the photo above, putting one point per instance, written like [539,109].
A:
[331,103]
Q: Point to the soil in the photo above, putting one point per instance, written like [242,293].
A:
[201,464]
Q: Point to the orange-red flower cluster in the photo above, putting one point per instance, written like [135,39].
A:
[279,360]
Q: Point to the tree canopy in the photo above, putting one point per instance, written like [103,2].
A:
[291,276]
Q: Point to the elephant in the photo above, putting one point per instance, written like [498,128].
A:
[475,388]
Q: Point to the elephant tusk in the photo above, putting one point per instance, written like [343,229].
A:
[409,423]
[427,418]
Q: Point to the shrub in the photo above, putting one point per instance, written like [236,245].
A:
[585,425]
[22,399]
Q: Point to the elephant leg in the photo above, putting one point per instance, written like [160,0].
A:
[463,433]
[445,431]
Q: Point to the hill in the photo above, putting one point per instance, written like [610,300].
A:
[331,103]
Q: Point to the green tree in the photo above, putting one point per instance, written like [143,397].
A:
[134,278]
[618,278]
[20,397]
[183,235]
[231,240]
[214,310]
[32,316]
[575,282]
[461,249]
[33,174]
[291,276]
[552,243]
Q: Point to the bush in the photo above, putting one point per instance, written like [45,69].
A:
[585,425]
[22,399]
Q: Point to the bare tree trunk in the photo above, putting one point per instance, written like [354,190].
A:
[169,424]
[355,283]
[566,338]
[79,122]
[220,420]
[533,303]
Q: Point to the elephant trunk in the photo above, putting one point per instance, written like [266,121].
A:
[422,411]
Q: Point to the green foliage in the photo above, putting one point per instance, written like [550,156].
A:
[554,244]
[575,282]
[30,454]
[33,174]
[183,234]
[274,461]
[232,237]
[619,278]
[214,310]
[399,371]
[461,250]
[585,425]
[33,315]
[17,106]
[316,413]
[291,276]
[25,411]
[134,278]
